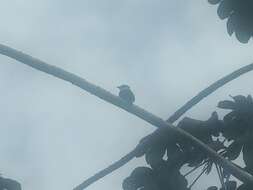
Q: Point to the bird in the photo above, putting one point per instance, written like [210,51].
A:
[126,94]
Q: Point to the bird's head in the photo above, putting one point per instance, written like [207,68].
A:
[123,87]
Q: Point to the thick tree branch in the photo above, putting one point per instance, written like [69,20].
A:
[196,99]
[107,96]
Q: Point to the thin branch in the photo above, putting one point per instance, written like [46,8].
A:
[207,91]
[220,176]
[107,170]
[193,169]
[197,178]
[115,100]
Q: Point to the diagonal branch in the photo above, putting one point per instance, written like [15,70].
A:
[116,165]
[200,96]
[81,83]
[115,100]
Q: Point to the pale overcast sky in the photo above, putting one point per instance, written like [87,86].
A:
[54,135]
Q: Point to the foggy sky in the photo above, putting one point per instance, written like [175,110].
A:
[55,135]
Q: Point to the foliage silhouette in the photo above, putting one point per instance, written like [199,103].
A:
[9,184]
[133,109]
[229,137]
[239,15]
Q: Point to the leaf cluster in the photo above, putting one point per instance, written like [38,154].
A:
[167,153]
[239,15]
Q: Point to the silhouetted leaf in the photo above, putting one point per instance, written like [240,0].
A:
[142,172]
[216,145]
[231,24]
[250,99]
[229,117]
[245,187]
[143,146]
[234,150]
[248,154]
[158,138]
[212,188]
[226,104]
[239,99]
[128,184]
[139,178]
[230,185]
[173,152]
[224,9]
[242,34]
[213,2]
[155,155]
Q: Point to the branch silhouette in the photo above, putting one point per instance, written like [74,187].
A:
[209,90]
[115,100]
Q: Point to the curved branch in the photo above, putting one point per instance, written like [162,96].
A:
[115,100]
[207,91]
[116,165]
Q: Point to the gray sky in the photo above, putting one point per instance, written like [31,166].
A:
[55,135]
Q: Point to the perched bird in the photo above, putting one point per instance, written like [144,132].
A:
[126,94]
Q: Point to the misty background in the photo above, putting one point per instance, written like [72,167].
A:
[54,135]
